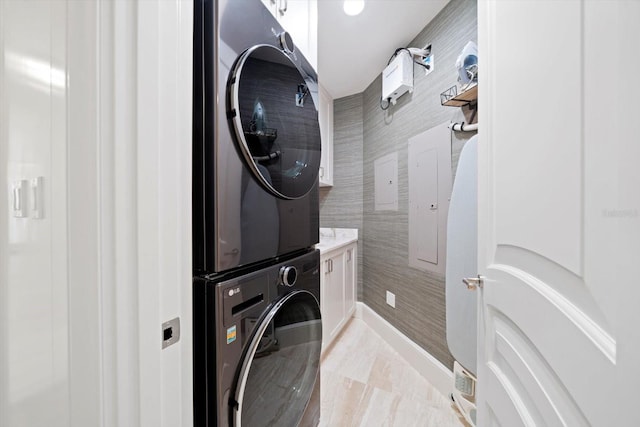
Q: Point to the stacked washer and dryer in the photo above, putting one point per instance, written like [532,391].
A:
[256,155]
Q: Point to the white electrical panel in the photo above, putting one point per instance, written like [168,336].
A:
[397,78]
[429,164]
[426,208]
[386,183]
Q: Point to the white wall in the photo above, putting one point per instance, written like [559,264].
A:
[95,97]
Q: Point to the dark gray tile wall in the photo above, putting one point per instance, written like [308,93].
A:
[362,128]
[341,205]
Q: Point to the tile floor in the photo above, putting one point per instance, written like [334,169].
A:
[365,382]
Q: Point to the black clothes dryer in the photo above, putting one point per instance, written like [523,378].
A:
[256,154]
[256,139]
[257,340]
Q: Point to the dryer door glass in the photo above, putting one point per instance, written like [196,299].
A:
[275,121]
[281,364]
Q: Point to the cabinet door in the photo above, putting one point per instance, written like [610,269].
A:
[350,280]
[332,300]
[325,119]
[312,53]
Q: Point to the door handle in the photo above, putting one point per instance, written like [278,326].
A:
[37,203]
[19,205]
[473,283]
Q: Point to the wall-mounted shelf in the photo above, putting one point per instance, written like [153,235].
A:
[451,97]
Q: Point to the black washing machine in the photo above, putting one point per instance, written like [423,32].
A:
[256,154]
[256,139]
[258,338]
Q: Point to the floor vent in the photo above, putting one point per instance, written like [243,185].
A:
[464,392]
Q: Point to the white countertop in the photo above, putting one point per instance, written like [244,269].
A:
[334,238]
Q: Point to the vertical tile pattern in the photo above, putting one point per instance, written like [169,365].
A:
[341,205]
[420,303]
[363,133]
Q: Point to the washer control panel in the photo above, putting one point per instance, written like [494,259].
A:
[288,275]
[286,42]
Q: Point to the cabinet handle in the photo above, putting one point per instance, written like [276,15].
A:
[321,172]
[283,10]
[349,255]
[330,266]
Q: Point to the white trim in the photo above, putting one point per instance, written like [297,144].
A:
[428,366]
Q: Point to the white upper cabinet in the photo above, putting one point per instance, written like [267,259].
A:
[300,19]
[325,117]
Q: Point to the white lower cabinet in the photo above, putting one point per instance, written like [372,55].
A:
[337,290]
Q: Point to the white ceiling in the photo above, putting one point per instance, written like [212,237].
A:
[353,50]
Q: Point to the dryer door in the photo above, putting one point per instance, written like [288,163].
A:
[280,365]
[275,121]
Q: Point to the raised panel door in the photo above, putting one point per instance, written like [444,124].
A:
[558,223]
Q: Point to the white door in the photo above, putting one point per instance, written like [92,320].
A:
[50,372]
[559,213]
[95,137]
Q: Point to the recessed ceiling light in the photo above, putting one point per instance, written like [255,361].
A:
[353,7]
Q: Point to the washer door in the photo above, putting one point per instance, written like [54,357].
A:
[280,365]
[275,121]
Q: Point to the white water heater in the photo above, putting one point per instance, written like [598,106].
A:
[397,77]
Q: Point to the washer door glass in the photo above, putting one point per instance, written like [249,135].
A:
[281,364]
[275,121]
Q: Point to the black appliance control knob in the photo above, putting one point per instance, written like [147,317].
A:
[286,42]
[288,275]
